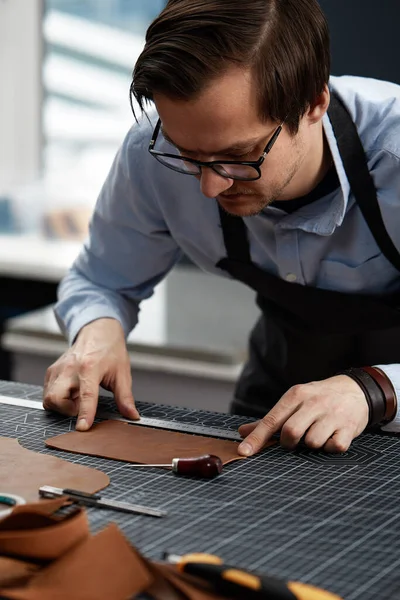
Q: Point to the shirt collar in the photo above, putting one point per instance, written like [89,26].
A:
[323,216]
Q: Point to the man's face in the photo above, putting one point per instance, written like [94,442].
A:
[223,124]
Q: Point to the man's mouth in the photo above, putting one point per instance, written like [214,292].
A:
[234,197]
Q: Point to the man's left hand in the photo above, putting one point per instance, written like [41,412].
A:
[329,414]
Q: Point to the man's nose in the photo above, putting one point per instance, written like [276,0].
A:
[212,184]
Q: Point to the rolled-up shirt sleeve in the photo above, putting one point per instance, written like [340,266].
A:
[393,373]
[129,249]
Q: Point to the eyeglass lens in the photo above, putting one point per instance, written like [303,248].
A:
[225,170]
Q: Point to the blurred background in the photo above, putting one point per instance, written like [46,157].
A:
[73,66]
[65,71]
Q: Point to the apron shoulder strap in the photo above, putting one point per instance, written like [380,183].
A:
[362,185]
[235,237]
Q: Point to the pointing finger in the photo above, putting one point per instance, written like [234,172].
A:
[124,397]
[247,428]
[88,398]
[260,434]
[265,429]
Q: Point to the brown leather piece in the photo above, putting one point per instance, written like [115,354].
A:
[161,588]
[45,506]
[92,568]
[30,534]
[102,567]
[22,472]
[186,584]
[132,443]
[14,572]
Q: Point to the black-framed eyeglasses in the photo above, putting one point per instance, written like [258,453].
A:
[230,169]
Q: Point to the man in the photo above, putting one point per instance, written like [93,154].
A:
[258,166]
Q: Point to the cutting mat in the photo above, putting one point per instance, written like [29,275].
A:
[330,521]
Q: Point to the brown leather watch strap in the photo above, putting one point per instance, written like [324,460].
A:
[388,390]
[374,395]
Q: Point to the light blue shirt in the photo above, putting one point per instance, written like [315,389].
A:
[148,215]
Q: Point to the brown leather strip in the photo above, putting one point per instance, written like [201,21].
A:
[42,507]
[162,588]
[373,394]
[388,390]
[33,535]
[100,568]
[14,572]
[192,588]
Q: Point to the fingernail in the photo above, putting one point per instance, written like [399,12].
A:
[82,425]
[245,449]
[131,413]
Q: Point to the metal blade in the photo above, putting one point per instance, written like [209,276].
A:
[48,491]
[131,508]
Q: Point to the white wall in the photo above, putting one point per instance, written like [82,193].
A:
[20,90]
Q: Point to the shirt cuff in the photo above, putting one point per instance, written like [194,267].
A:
[393,373]
[86,316]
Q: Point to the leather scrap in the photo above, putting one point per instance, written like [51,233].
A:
[145,445]
[100,568]
[186,584]
[161,588]
[15,572]
[34,532]
[22,472]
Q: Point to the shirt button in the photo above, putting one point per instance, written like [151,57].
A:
[291,277]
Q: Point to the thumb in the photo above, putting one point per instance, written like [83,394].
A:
[124,398]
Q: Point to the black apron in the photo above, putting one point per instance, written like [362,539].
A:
[304,333]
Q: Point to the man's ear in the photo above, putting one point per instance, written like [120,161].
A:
[319,107]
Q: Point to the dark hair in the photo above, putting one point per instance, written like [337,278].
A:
[192,42]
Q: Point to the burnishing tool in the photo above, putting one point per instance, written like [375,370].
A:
[206,466]
[231,582]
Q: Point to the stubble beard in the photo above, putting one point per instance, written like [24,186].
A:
[261,202]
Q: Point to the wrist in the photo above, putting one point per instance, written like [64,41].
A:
[99,328]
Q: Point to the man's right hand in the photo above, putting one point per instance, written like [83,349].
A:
[98,357]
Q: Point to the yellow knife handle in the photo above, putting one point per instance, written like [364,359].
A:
[303,591]
[228,580]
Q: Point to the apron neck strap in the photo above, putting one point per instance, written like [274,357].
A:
[235,237]
[362,185]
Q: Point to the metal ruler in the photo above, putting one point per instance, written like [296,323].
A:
[191,428]
[217,432]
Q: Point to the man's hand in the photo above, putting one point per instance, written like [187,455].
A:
[98,356]
[329,413]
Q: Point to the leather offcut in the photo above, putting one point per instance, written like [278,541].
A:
[92,568]
[189,587]
[15,572]
[145,445]
[22,472]
[34,532]
[101,567]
